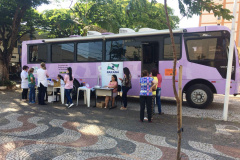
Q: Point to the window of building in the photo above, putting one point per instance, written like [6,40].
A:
[63,52]
[38,53]
[89,51]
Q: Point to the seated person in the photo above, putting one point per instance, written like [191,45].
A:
[112,84]
[60,78]
[59,82]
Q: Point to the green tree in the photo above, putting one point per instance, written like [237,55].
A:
[59,23]
[103,16]
[142,13]
[30,23]
[12,13]
[89,14]
[114,14]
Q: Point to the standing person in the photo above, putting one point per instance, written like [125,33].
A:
[42,76]
[24,83]
[158,94]
[112,84]
[31,85]
[146,83]
[154,76]
[68,79]
[126,85]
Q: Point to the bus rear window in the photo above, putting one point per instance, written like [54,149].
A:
[38,53]
[63,52]
[89,51]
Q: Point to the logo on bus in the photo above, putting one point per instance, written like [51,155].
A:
[112,68]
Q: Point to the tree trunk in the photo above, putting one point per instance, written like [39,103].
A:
[1,69]
[5,70]
[173,83]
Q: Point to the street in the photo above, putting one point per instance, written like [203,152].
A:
[56,132]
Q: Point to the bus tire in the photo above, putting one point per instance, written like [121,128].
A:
[76,85]
[199,96]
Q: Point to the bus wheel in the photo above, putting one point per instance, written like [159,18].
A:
[199,96]
[75,88]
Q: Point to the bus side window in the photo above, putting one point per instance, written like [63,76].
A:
[204,49]
[115,50]
[38,53]
[63,52]
[89,51]
[124,49]
[168,52]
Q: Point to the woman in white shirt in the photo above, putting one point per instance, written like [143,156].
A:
[42,76]
[24,82]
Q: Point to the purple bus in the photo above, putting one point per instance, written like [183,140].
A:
[202,51]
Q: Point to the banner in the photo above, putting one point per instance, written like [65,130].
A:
[110,68]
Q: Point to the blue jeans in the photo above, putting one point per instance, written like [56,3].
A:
[67,93]
[158,95]
[31,93]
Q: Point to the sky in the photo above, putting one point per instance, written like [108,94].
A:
[184,22]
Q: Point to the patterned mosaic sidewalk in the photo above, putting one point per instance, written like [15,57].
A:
[31,137]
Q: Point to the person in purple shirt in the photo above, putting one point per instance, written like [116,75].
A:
[146,83]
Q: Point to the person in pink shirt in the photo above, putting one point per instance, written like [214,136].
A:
[158,92]
[112,84]
[68,80]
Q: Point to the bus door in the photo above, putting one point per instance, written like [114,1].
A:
[150,56]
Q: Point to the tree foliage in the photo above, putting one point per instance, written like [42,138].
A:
[12,13]
[59,23]
[31,21]
[188,8]
[107,15]
[142,13]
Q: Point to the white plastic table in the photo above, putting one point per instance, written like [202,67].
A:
[87,92]
[51,88]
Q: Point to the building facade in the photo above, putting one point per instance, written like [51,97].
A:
[207,19]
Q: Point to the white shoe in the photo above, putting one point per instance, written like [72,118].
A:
[66,105]
[70,105]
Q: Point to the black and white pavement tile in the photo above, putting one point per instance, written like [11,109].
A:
[33,137]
